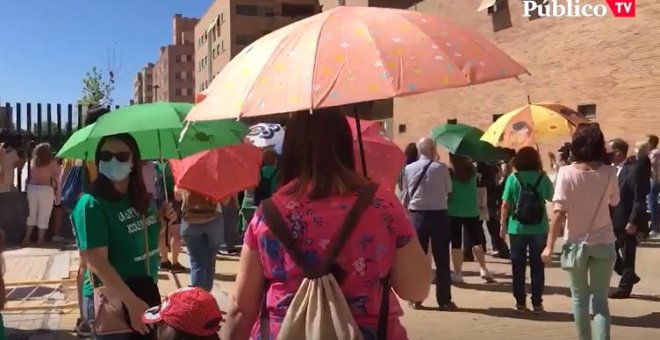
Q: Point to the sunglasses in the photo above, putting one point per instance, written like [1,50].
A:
[107,156]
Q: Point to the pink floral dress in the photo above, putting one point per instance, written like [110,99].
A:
[366,259]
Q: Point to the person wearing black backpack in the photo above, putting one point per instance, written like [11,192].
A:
[525,220]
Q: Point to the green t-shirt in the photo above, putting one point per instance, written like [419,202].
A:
[268,171]
[117,226]
[462,201]
[512,192]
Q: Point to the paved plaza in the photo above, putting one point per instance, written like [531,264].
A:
[42,301]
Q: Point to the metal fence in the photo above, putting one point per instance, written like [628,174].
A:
[52,123]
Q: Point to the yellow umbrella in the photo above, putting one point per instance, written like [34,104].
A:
[531,124]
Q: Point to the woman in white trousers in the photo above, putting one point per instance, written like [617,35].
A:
[41,188]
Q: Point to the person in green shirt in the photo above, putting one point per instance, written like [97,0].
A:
[117,230]
[527,240]
[463,210]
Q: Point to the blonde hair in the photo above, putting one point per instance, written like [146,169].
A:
[42,155]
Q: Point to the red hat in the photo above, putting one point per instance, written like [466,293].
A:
[189,310]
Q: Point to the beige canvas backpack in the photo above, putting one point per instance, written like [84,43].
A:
[319,310]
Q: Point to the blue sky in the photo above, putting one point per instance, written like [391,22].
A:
[47,46]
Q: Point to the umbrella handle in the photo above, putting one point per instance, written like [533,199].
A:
[359,136]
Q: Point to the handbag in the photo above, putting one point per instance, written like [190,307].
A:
[110,314]
[407,196]
[572,254]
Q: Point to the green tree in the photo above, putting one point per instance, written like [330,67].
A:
[97,89]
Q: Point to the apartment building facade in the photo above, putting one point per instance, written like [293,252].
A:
[605,68]
[172,75]
[229,26]
[143,86]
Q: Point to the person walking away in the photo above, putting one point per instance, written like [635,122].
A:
[584,192]
[41,193]
[202,229]
[491,178]
[463,211]
[75,179]
[319,187]
[427,184]
[654,155]
[525,220]
[412,155]
[170,234]
[117,230]
[629,216]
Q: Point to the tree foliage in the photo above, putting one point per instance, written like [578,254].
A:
[97,89]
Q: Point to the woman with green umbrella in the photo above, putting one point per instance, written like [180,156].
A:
[117,230]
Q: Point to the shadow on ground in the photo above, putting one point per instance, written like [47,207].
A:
[505,287]
[32,292]
[39,334]
[651,320]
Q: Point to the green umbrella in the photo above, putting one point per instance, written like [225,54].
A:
[465,140]
[157,128]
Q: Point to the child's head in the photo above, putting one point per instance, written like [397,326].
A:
[188,313]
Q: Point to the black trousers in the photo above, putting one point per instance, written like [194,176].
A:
[626,252]
[498,244]
[434,225]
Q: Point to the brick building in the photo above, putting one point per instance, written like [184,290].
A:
[143,86]
[173,73]
[606,67]
[228,26]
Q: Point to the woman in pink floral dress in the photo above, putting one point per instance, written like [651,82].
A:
[320,187]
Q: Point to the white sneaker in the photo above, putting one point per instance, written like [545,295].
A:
[457,278]
[653,234]
[486,275]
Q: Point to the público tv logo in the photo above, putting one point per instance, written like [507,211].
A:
[573,8]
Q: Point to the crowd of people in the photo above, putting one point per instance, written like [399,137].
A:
[131,221]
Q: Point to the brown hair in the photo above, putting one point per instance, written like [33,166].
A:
[137,191]
[463,169]
[42,155]
[317,155]
[589,143]
[527,159]
[269,157]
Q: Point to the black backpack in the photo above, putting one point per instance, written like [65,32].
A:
[263,190]
[530,206]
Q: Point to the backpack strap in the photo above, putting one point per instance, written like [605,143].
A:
[279,228]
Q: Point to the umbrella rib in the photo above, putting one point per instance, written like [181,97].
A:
[316,53]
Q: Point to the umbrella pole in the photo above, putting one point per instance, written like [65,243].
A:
[167,199]
[359,135]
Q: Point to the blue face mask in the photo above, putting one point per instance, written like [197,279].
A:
[115,170]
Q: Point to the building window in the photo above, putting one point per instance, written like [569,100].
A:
[222,17]
[298,10]
[500,15]
[249,10]
[177,92]
[177,59]
[452,121]
[213,53]
[177,76]
[496,116]
[267,11]
[402,128]
[222,45]
[587,110]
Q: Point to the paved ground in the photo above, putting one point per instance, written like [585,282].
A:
[485,309]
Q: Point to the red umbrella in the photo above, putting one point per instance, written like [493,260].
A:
[384,159]
[220,172]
